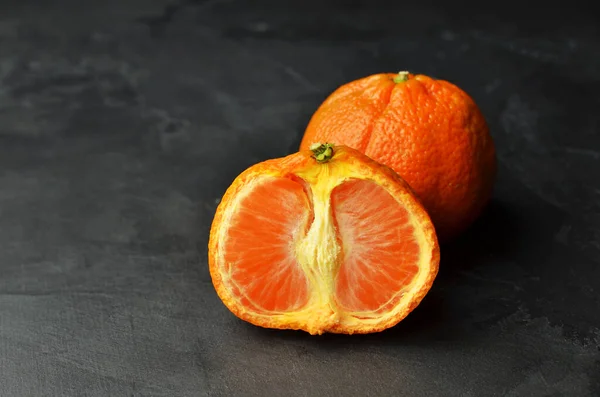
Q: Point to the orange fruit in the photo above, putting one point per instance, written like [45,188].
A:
[429,131]
[323,240]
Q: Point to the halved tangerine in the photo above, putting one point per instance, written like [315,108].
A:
[323,240]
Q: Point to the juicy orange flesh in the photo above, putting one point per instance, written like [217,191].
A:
[380,252]
[259,248]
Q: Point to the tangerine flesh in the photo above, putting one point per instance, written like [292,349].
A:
[342,246]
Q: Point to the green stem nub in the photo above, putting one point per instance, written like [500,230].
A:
[322,152]
[401,77]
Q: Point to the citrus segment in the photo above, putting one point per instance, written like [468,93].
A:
[380,251]
[259,254]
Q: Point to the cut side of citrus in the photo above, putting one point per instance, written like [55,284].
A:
[380,252]
[322,241]
[259,260]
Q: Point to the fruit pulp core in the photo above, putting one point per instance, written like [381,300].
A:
[347,246]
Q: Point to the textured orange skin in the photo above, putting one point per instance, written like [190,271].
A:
[429,131]
[381,174]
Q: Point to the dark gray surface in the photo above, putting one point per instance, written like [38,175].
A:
[122,123]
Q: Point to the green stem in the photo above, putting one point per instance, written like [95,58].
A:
[322,152]
[401,77]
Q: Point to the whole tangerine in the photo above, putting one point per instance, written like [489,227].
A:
[429,131]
